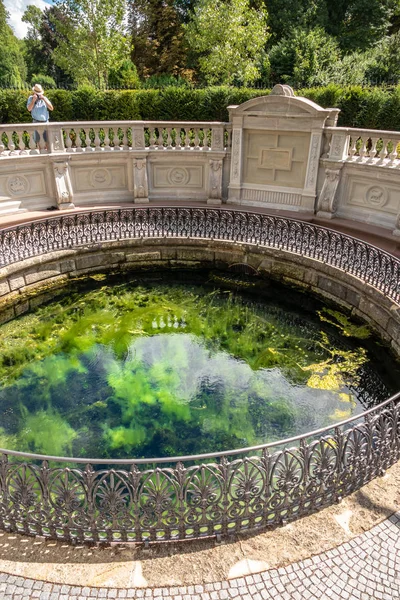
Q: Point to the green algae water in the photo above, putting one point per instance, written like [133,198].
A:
[165,365]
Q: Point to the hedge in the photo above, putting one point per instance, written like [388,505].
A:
[375,108]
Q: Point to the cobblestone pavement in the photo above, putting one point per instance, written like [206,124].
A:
[365,568]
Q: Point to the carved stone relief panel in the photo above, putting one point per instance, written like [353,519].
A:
[92,178]
[170,177]
[276,159]
[21,185]
[372,196]
[18,185]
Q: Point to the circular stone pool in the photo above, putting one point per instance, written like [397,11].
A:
[177,363]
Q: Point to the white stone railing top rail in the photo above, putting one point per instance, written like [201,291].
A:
[373,146]
[111,136]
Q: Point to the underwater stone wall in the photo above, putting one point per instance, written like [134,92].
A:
[29,283]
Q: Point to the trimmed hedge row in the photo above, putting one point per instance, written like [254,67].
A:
[375,108]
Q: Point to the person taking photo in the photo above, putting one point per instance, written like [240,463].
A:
[39,106]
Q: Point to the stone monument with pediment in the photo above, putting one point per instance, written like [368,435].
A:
[276,147]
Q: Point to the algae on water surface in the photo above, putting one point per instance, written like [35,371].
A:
[146,368]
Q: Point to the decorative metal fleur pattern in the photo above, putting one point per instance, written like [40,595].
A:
[143,501]
[149,503]
[372,265]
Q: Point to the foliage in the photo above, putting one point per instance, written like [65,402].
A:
[303,58]
[158,45]
[229,38]
[12,65]
[152,369]
[360,107]
[126,76]
[45,80]
[93,39]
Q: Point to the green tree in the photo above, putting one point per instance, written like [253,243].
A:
[304,58]
[12,64]
[33,48]
[229,38]
[358,24]
[93,39]
[157,36]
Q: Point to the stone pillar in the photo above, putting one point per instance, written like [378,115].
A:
[215,182]
[217,138]
[55,142]
[138,142]
[327,201]
[140,181]
[339,147]
[64,193]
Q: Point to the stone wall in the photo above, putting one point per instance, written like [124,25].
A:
[26,284]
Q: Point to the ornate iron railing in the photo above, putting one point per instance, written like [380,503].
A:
[356,257]
[212,494]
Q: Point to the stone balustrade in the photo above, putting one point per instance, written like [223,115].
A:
[111,136]
[277,152]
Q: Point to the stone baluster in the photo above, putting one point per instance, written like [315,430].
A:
[42,142]
[97,141]
[68,141]
[169,138]
[384,150]
[107,146]
[178,139]
[353,147]
[160,140]
[363,148]
[187,139]
[153,139]
[196,140]
[207,139]
[32,143]
[78,141]
[393,154]
[20,146]
[373,151]
[125,145]
[88,142]
[11,145]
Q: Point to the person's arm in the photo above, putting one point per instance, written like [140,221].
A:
[47,103]
[31,104]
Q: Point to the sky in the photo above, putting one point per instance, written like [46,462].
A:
[16,9]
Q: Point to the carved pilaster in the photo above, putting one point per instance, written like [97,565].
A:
[327,201]
[64,194]
[313,162]
[236,165]
[215,182]
[140,180]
